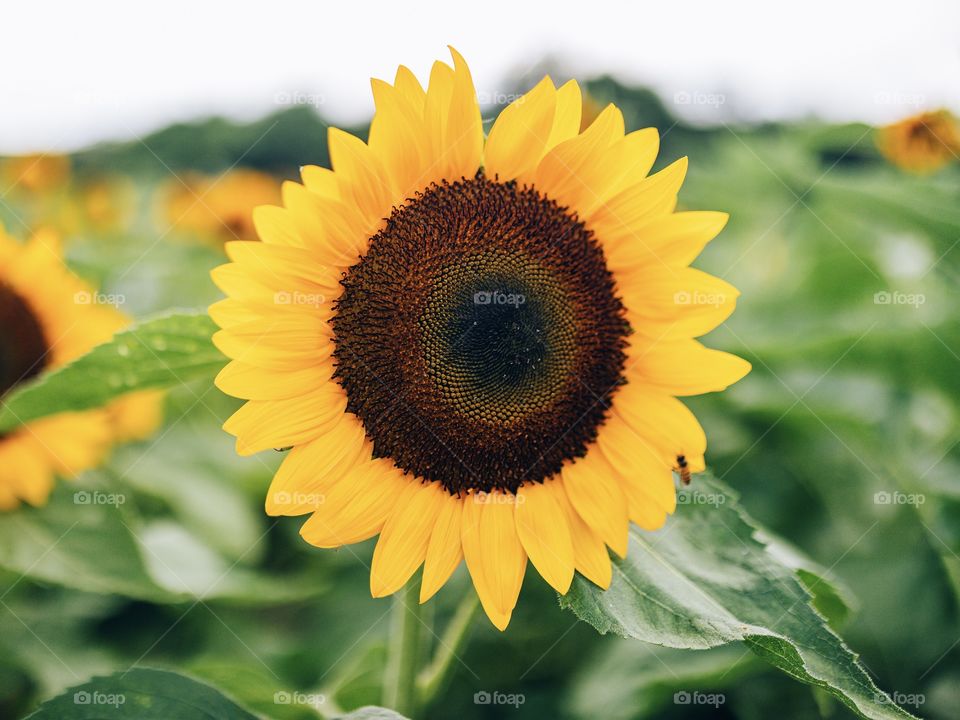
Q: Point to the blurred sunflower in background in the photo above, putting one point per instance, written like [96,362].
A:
[48,317]
[475,345]
[921,143]
[38,173]
[218,208]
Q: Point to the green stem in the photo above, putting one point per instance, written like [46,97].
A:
[403,658]
[434,677]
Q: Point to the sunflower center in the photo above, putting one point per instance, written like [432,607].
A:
[480,338]
[23,348]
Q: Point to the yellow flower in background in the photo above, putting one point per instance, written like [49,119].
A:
[219,207]
[475,345]
[922,143]
[37,173]
[106,203]
[48,317]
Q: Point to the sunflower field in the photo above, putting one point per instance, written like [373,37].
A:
[433,417]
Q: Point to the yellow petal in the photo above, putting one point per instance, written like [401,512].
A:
[362,178]
[622,164]
[445,549]
[74,441]
[408,85]
[674,239]
[322,181]
[464,126]
[284,341]
[663,421]
[309,471]
[545,533]
[403,541]
[398,138]
[357,506]
[557,173]
[335,231]
[638,463]
[666,304]
[518,138]
[25,472]
[617,217]
[453,123]
[684,367]
[566,119]
[279,266]
[250,382]
[592,489]
[590,555]
[275,226]
[493,552]
[264,424]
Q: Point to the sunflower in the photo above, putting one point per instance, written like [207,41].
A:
[219,208]
[474,345]
[922,143]
[37,173]
[48,317]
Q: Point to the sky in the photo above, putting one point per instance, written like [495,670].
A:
[78,73]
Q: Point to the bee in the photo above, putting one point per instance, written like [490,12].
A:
[684,469]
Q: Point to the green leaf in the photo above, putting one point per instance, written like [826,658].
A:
[89,539]
[706,580]
[259,691]
[155,353]
[142,694]
[830,597]
[633,680]
[78,544]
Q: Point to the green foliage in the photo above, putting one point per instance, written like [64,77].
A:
[142,694]
[707,581]
[157,353]
[850,396]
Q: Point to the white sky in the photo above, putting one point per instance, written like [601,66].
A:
[74,73]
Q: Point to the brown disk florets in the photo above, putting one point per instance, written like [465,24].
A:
[480,338]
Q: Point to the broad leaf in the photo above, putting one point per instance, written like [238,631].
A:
[628,680]
[156,353]
[142,694]
[89,539]
[706,580]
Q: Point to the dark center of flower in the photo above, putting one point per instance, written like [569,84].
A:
[23,349]
[480,338]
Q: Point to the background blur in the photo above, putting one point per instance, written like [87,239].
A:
[144,137]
